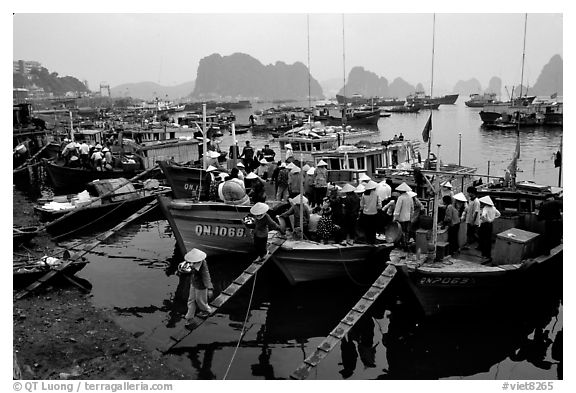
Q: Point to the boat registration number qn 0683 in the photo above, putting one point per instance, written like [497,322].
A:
[222,231]
[446,281]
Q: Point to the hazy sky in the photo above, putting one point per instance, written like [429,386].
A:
[166,47]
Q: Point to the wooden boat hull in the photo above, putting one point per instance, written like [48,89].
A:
[214,227]
[371,119]
[22,235]
[75,179]
[467,286]
[22,277]
[186,181]
[306,261]
[218,230]
[104,215]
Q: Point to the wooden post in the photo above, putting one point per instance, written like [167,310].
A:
[234,145]
[435,215]
[560,167]
[488,177]
[204,145]
[534,169]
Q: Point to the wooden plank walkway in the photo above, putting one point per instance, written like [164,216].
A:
[225,295]
[85,248]
[344,326]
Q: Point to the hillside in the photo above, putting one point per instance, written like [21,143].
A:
[369,84]
[242,76]
[50,82]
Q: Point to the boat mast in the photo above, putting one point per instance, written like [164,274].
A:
[309,72]
[344,74]
[513,165]
[432,84]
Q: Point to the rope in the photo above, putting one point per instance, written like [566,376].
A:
[243,331]
[91,222]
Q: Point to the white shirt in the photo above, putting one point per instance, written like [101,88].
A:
[84,148]
[404,208]
[384,191]
[489,214]
[473,207]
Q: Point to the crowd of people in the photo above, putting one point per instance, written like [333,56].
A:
[87,155]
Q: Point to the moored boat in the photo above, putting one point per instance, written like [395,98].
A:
[69,213]
[218,229]
[74,179]
[463,283]
[478,101]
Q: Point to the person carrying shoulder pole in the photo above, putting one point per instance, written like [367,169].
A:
[201,288]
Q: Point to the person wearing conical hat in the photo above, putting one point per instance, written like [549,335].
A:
[452,222]
[282,182]
[369,206]
[297,204]
[262,170]
[255,188]
[294,180]
[472,217]
[195,268]
[403,211]
[263,223]
[320,182]
[308,182]
[350,211]
[446,189]
[488,214]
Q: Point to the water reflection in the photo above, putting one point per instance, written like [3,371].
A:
[470,345]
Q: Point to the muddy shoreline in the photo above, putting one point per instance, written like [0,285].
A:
[59,334]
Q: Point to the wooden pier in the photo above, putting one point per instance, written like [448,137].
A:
[353,316]
[226,294]
[84,248]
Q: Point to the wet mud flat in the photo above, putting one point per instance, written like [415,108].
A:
[59,334]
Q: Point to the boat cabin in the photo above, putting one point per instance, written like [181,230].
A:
[92,137]
[371,158]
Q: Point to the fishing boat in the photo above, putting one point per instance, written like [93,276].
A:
[358,99]
[355,117]
[454,284]
[410,108]
[478,101]
[368,157]
[22,235]
[313,138]
[25,273]
[103,202]
[421,98]
[74,179]
[218,229]
[186,181]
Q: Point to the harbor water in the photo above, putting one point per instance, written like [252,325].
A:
[133,274]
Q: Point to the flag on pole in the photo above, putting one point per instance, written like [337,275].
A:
[427,129]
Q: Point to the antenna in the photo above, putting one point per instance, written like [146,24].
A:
[432,82]
[523,56]
[344,70]
[309,72]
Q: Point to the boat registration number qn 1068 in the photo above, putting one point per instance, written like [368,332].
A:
[446,281]
[217,230]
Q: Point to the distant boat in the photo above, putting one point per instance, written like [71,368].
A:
[358,99]
[403,109]
[420,98]
[478,101]
[355,118]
